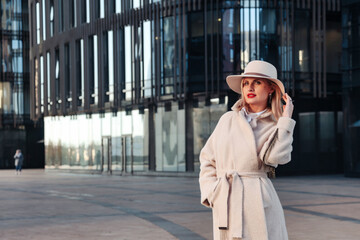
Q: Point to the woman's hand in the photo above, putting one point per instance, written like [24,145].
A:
[289,107]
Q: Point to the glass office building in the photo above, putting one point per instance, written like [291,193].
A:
[138,85]
[351,86]
[16,128]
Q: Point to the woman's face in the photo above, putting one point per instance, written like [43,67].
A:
[256,92]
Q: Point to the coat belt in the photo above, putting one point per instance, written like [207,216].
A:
[236,198]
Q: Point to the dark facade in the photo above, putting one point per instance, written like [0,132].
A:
[16,128]
[139,85]
[351,86]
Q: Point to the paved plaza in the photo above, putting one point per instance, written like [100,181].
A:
[43,205]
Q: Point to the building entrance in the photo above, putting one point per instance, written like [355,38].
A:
[127,154]
[106,154]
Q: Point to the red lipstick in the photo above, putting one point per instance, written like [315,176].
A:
[251,95]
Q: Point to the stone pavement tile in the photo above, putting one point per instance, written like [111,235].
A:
[123,228]
[198,222]
[303,226]
[352,209]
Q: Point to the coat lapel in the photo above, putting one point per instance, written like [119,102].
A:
[249,133]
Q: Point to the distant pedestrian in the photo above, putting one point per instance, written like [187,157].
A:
[247,143]
[19,159]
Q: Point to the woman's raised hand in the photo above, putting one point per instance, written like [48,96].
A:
[289,107]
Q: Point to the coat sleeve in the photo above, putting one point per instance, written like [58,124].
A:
[208,178]
[277,149]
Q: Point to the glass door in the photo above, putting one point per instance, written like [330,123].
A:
[127,154]
[106,154]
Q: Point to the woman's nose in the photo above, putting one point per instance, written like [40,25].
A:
[251,87]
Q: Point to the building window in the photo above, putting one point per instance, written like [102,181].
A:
[44,18]
[128,64]
[102,8]
[12,55]
[96,71]
[93,69]
[146,78]
[68,93]
[110,91]
[48,80]
[57,79]
[36,83]
[52,18]
[120,55]
[5,95]
[80,72]
[136,4]
[111,6]
[18,97]
[85,11]
[37,23]
[117,6]
[108,66]
[249,17]
[99,9]
[169,46]
[105,66]
[73,20]
[61,15]
[42,83]
[170,139]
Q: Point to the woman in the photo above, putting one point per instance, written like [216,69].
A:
[18,161]
[247,143]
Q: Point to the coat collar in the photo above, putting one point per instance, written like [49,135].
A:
[246,126]
[237,108]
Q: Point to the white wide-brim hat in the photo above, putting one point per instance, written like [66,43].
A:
[257,69]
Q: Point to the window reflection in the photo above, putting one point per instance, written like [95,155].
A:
[136,3]
[52,18]
[37,14]
[57,79]
[307,130]
[111,69]
[36,90]
[147,59]
[93,69]
[5,99]
[102,8]
[87,7]
[18,97]
[43,6]
[205,119]
[68,92]
[117,6]
[48,80]
[249,17]
[79,58]
[120,55]
[169,45]
[42,83]
[128,63]
[170,139]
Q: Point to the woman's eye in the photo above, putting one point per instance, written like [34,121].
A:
[246,83]
[258,82]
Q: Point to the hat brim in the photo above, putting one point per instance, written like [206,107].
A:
[234,82]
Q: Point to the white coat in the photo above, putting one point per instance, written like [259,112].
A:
[233,179]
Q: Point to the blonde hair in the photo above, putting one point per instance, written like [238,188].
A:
[275,106]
